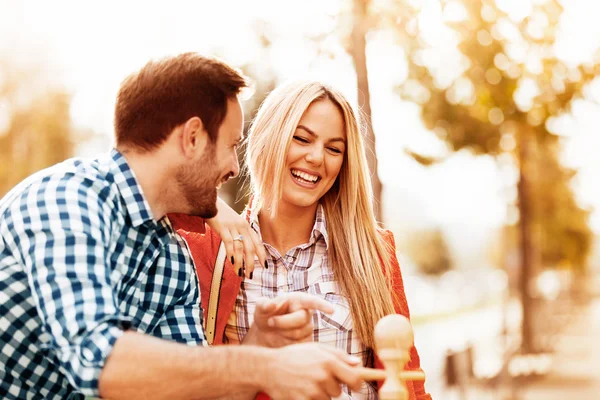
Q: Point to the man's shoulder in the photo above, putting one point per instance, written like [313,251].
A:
[75,181]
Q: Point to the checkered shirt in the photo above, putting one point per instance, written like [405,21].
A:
[304,268]
[82,259]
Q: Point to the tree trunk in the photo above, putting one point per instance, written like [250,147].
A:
[526,235]
[358,52]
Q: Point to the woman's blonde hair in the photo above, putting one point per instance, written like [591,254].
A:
[356,251]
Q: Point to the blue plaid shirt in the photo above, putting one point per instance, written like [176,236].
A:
[82,259]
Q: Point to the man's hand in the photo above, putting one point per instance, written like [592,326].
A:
[286,319]
[141,366]
[230,225]
[310,371]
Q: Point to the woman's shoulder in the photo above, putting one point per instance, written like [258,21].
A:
[388,236]
[195,231]
[188,223]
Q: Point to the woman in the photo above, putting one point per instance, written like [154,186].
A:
[312,209]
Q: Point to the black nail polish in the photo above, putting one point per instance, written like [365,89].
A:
[232,260]
[266,265]
[251,275]
[240,272]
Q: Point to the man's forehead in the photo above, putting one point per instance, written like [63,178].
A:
[232,127]
[237,133]
[231,136]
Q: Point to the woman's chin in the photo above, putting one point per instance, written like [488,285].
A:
[302,201]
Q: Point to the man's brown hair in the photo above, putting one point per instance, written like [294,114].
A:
[166,93]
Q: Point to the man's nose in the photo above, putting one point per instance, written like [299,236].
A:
[235,167]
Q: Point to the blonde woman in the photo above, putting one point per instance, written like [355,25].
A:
[312,209]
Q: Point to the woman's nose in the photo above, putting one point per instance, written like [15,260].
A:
[315,155]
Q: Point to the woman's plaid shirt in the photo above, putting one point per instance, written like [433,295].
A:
[304,268]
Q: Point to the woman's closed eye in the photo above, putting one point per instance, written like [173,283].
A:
[301,139]
[304,140]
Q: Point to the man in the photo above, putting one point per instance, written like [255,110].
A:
[98,295]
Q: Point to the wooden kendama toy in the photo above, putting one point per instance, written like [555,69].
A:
[393,339]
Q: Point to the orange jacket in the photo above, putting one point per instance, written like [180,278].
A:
[204,245]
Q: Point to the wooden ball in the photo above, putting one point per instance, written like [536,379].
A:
[394,332]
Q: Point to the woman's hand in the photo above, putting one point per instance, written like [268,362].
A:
[286,319]
[242,244]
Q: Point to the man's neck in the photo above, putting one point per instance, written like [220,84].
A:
[290,227]
[151,175]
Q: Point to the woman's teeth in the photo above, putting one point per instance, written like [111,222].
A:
[305,177]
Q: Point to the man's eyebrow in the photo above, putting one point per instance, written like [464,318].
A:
[337,139]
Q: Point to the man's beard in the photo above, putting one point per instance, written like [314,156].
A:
[198,185]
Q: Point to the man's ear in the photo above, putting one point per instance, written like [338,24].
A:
[194,137]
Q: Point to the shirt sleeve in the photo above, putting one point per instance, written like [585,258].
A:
[181,324]
[62,238]
[182,321]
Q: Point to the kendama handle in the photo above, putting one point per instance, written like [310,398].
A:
[370,374]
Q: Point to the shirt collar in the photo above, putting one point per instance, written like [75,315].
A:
[319,227]
[133,197]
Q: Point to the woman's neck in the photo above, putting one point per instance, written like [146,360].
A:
[290,227]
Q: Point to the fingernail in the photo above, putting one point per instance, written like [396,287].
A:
[251,275]
[266,265]
[240,272]
[232,260]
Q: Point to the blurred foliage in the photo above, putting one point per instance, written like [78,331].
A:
[35,124]
[496,93]
[560,224]
[492,85]
[429,251]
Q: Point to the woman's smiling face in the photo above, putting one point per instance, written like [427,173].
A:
[315,155]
